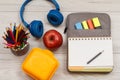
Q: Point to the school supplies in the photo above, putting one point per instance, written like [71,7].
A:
[93,23]
[96,22]
[84,52]
[90,24]
[15,37]
[95,57]
[78,26]
[89,50]
[22,51]
[40,64]
[85,26]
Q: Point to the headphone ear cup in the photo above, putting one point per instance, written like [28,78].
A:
[55,17]
[36,28]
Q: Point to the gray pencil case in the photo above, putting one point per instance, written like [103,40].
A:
[73,18]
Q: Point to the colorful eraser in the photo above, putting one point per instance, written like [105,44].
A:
[85,25]
[78,26]
[40,64]
[90,24]
[96,22]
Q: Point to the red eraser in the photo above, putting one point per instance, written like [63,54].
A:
[90,24]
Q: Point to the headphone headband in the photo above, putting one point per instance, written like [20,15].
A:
[55,3]
[22,11]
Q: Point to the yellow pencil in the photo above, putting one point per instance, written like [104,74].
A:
[20,27]
[16,36]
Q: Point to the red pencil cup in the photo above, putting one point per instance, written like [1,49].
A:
[22,51]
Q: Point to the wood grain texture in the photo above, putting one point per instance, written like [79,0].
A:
[10,65]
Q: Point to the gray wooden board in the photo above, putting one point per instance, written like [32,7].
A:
[10,65]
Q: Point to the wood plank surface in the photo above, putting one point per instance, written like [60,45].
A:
[10,65]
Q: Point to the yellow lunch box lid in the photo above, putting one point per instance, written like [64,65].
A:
[40,64]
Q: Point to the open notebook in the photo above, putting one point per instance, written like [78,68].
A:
[89,50]
[83,54]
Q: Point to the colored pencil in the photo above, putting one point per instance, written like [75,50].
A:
[15,37]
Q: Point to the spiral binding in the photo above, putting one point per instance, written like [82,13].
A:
[90,38]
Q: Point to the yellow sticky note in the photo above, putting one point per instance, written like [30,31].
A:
[85,25]
[96,22]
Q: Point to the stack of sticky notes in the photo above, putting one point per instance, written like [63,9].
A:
[40,64]
[93,23]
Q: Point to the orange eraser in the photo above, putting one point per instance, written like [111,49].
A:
[90,24]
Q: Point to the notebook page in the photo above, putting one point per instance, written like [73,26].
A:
[82,50]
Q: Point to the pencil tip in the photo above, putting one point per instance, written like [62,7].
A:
[10,24]
[14,24]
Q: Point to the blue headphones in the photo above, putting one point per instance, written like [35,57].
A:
[36,27]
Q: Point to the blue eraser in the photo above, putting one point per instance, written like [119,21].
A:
[78,26]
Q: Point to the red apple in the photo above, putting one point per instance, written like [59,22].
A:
[52,39]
